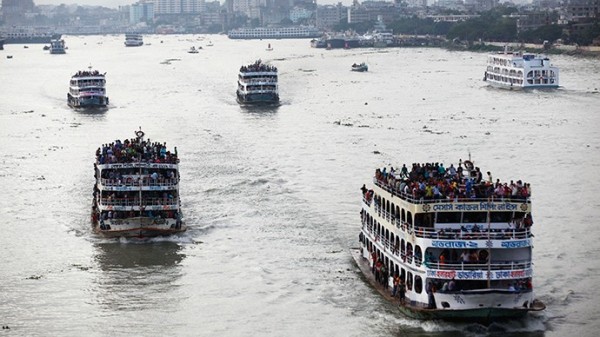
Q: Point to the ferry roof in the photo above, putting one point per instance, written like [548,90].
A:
[88,73]
[258,66]
[136,150]
[433,182]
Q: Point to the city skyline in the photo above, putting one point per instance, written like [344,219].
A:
[117,3]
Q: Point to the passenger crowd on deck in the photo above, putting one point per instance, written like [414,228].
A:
[257,66]
[88,73]
[434,181]
[134,150]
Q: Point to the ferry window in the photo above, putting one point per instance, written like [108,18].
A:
[418,284]
[409,218]
[402,249]
[501,216]
[418,256]
[475,217]
[519,215]
[448,217]
[424,220]
[409,278]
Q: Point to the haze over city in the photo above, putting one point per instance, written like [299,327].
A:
[117,3]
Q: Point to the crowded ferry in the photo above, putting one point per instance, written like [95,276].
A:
[516,70]
[87,89]
[136,190]
[447,242]
[257,83]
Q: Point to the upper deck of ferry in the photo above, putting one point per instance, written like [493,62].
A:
[433,183]
[136,153]
[518,60]
[439,202]
[257,69]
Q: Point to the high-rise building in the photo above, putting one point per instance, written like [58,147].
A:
[141,11]
[178,6]
[14,10]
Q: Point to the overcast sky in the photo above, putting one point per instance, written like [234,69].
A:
[117,3]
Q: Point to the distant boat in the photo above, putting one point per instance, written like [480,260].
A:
[297,32]
[28,35]
[209,44]
[257,84]
[133,40]
[87,89]
[269,48]
[193,50]
[362,67]
[516,70]
[46,48]
[57,47]
[8,56]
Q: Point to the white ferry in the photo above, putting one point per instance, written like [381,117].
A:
[257,83]
[136,193]
[133,40]
[57,47]
[296,32]
[87,89]
[443,243]
[515,70]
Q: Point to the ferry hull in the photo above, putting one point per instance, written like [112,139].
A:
[140,232]
[31,39]
[481,315]
[484,315]
[91,102]
[258,99]
[137,230]
[519,87]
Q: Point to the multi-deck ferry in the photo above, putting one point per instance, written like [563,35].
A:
[87,89]
[133,40]
[136,193]
[57,47]
[296,32]
[515,70]
[446,243]
[257,83]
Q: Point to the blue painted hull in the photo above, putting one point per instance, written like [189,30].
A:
[270,98]
[91,102]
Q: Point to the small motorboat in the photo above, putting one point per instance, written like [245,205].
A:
[193,50]
[361,67]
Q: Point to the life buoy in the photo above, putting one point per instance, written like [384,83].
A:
[469,165]
[139,134]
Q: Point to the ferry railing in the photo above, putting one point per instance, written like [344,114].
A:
[137,182]
[422,200]
[259,80]
[143,163]
[457,234]
[507,265]
[131,202]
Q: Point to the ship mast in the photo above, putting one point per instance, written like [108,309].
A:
[139,138]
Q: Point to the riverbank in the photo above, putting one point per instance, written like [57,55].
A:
[583,51]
